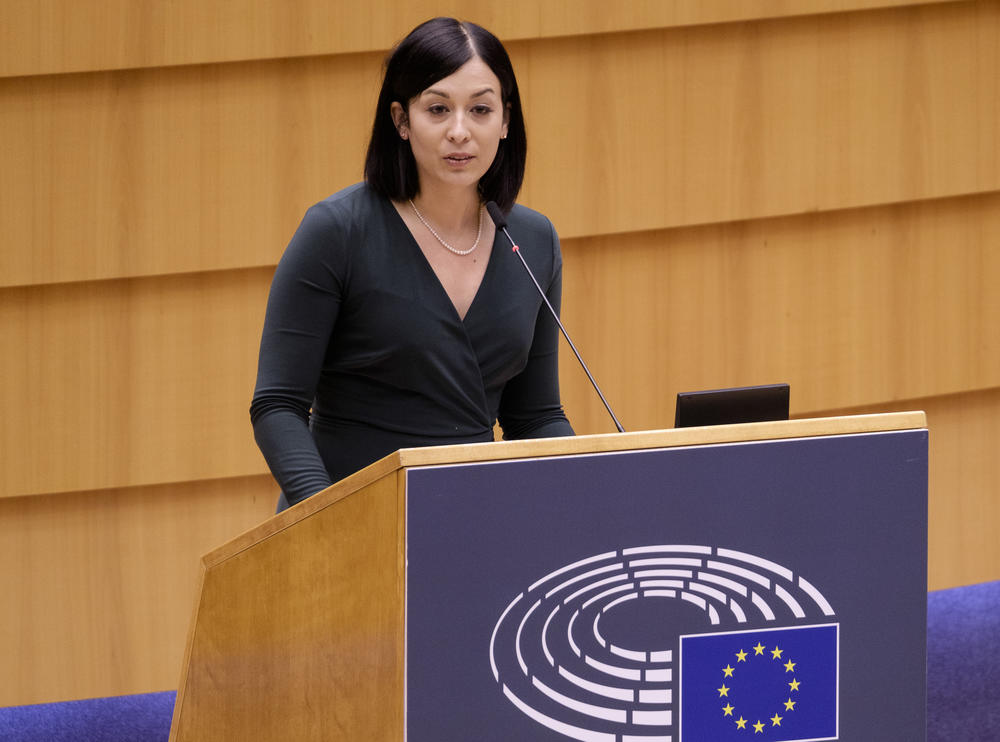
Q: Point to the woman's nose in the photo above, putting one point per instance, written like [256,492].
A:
[458,131]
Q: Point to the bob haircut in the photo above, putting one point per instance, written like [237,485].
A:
[431,52]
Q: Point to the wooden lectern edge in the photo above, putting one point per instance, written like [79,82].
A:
[287,518]
[186,663]
[566,446]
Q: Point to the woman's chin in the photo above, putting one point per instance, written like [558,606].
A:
[452,178]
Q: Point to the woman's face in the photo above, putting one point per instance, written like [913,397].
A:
[454,127]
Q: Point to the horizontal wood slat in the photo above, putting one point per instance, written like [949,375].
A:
[146,381]
[59,36]
[202,168]
[98,587]
[172,171]
[129,383]
[861,306]
[694,126]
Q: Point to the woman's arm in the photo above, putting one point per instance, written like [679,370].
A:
[302,308]
[530,405]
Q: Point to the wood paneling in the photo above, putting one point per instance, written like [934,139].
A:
[858,306]
[59,36]
[964,515]
[306,620]
[965,484]
[668,128]
[98,586]
[200,168]
[170,171]
[122,383]
[147,381]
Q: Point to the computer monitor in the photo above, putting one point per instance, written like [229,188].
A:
[749,404]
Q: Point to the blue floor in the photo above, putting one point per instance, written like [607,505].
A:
[963,686]
[963,674]
[140,718]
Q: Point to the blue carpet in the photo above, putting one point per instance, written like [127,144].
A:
[963,686]
[140,718]
[963,674]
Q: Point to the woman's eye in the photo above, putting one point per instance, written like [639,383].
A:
[482,110]
[438,109]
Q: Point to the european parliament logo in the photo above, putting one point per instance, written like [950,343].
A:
[672,643]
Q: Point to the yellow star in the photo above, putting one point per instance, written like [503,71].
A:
[741,723]
[776,653]
[789,666]
[723,691]
[741,656]
[775,721]
[794,685]
[727,671]
[758,728]
[759,649]
[727,710]
[790,705]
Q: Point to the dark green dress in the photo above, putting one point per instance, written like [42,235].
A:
[360,331]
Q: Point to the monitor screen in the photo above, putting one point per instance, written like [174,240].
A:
[749,404]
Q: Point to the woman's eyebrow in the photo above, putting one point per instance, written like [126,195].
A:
[444,94]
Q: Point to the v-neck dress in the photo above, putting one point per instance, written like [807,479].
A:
[363,351]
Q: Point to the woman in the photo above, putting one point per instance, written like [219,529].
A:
[393,315]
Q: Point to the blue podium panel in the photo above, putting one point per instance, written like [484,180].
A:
[754,591]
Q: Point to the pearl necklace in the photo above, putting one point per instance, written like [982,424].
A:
[479,232]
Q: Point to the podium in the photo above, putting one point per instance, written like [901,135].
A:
[757,581]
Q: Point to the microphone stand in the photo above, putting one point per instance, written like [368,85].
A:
[501,222]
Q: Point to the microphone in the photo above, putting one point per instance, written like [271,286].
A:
[501,221]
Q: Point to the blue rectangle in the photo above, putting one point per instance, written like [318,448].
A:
[781,684]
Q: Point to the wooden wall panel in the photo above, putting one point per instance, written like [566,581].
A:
[60,36]
[98,587]
[857,306]
[965,482]
[148,380]
[169,171]
[964,510]
[691,126]
[122,383]
[200,168]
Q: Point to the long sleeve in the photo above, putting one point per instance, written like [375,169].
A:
[530,405]
[301,311]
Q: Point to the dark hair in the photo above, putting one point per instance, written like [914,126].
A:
[431,52]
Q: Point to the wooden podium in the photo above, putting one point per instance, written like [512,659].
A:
[564,589]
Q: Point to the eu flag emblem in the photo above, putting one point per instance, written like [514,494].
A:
[778,685]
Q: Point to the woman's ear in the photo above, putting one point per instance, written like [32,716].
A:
[506,121]
[400,120]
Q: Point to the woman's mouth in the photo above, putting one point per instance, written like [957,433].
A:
[458,158]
